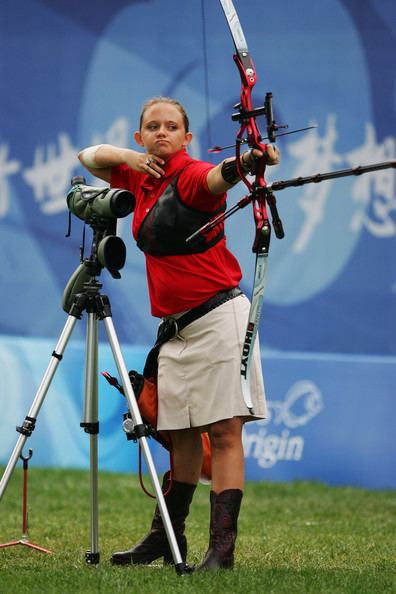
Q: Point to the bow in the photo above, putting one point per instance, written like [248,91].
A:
[260,194]
[257,194]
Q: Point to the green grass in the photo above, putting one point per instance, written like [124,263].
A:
[299,537]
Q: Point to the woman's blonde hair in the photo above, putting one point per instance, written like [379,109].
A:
[170,101]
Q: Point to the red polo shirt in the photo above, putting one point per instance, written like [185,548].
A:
[179,283]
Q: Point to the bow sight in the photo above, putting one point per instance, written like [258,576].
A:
[266,110]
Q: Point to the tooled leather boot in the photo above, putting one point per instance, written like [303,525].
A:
[155,544]
[224,512]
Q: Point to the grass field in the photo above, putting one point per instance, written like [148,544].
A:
[293,538]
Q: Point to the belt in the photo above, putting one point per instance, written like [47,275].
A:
[170,327]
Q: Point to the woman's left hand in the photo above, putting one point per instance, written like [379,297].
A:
[272,155]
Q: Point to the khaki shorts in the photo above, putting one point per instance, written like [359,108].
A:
[198,371]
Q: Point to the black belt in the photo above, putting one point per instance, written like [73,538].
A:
[170,327]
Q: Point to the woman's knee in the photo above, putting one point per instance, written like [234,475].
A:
[185,439]
[225,434]
[186,455]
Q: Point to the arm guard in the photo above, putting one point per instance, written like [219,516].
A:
[87,156]
[229,170]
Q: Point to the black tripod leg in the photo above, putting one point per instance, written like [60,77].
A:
[139,429]
[27,428]
[90,424]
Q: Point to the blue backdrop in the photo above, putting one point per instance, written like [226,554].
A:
[75,74]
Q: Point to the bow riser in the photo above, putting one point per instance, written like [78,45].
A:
[248,122]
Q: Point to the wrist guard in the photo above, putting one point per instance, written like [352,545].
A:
[229,171]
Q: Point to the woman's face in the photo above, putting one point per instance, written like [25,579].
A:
[162,132]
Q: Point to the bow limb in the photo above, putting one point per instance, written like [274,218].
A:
[246,115]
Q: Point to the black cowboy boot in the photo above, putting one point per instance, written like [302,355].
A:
[155,544]
[224,511]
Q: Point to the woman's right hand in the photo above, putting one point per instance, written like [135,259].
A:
[149,164]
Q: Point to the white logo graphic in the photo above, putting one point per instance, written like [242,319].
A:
[302,403]
[7,167]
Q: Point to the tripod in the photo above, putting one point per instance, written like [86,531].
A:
[83,294]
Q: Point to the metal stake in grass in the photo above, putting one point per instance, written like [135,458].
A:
[24,540]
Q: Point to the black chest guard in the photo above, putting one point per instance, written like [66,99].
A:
[164,230]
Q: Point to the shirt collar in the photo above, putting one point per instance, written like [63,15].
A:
[171,167]
[176,162]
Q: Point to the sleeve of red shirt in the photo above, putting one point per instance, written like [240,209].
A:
[121,177]
[191,185]
[193,188]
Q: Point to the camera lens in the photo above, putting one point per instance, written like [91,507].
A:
[122,203]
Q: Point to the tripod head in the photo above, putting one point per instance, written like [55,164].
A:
[100,208]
